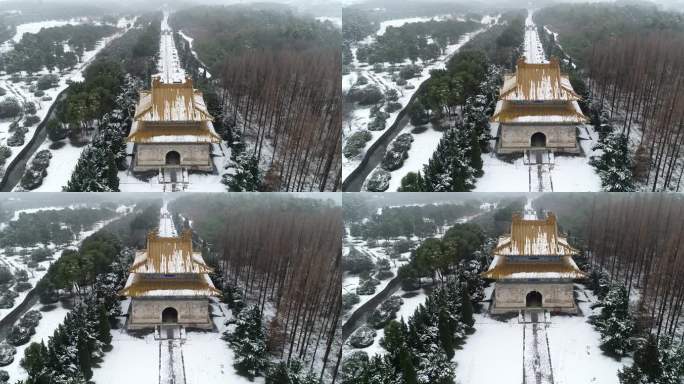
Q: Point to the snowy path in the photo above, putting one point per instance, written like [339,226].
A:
[169,64]
[533,51]
[171,367]
[537,358]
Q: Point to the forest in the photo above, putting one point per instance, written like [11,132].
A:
[278,91]
[45,49]
[629,59]
[411,41]
[280,269]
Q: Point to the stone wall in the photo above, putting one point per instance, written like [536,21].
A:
[555,296]
[517,138]
[146,313]
[153,156]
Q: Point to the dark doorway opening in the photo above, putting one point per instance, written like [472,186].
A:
[170,315]
[533,299]
[538,140]
[173,158]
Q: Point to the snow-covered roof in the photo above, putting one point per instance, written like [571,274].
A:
[533,249]
[536,82]
[198,286]
[567,112]
[534,238]
[564,268]
[201,132]
[169,255]
[171,102]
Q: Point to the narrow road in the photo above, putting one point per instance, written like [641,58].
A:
[171,365]
[537,367]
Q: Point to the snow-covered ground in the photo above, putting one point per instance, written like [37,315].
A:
[336,21]
[169,63]
[206,358]
[190,40]
[359,117]
[422,148]
[533,51]
[573,344]
[63,159]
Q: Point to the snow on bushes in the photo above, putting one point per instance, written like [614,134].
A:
[387,311]
[378,181]
[398,152]
[362,337]
[36,170]
[367,287]
[9,107]
[248,342]
[349,300]
[614,323]
[7,353]
[357,261]
[356,142]
[368,95]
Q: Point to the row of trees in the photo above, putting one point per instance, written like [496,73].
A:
[51,226]
[411,41]
[421,221]
[45,49]
[636,240]
[636,80]
[286,253]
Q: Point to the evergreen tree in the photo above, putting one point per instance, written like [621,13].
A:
[34,359]
[248,342]
[84,358]
[412,182]
[615,164]
[247,177]
[446,333]
[104,330]
[466,308]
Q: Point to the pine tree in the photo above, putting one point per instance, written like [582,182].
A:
[84,358]
[248,342]
[615,164]
[34,359]
[104,330]
[446,333]
[408,372]
[466,308]
[412,182]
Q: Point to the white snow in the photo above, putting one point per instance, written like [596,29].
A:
[422,149]
[190,40]
[336,21]
[34,27]
[169,63]
[573,343]
[533,51]
[166,227]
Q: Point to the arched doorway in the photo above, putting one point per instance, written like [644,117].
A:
[170,315]
[533,299]
[173,158]
[538,140]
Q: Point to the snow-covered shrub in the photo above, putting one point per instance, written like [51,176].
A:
[9,107]
[386,312]
[20,335]
[393,106]
[353,366]
[17,139]
[22,286]
[30,319]
[367,287]
[5,153]
[378,181]
[400,81]
[4,376]
[363,337]
[47,81]
[7,353]
[36,171]
[55,130]
[377,124]
[398,152]
[31,120]
[6,300]
[357,261]
[368,95]
[6,275]
[30,108]
[349,300]
[356,142]
[39,93]
[361,81]
[410,71]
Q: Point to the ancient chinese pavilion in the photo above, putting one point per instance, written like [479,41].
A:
[533,268]
[172,128]
[537,109]
[169,283]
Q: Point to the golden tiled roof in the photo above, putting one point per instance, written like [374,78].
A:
[563,113]
[534,238]
[169,255]
[138,287]
[171,102]
[563,269]
[147,133]
[537,81]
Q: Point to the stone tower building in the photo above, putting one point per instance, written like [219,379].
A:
[537,109]
[533,268]
[172,129]
[169,282]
